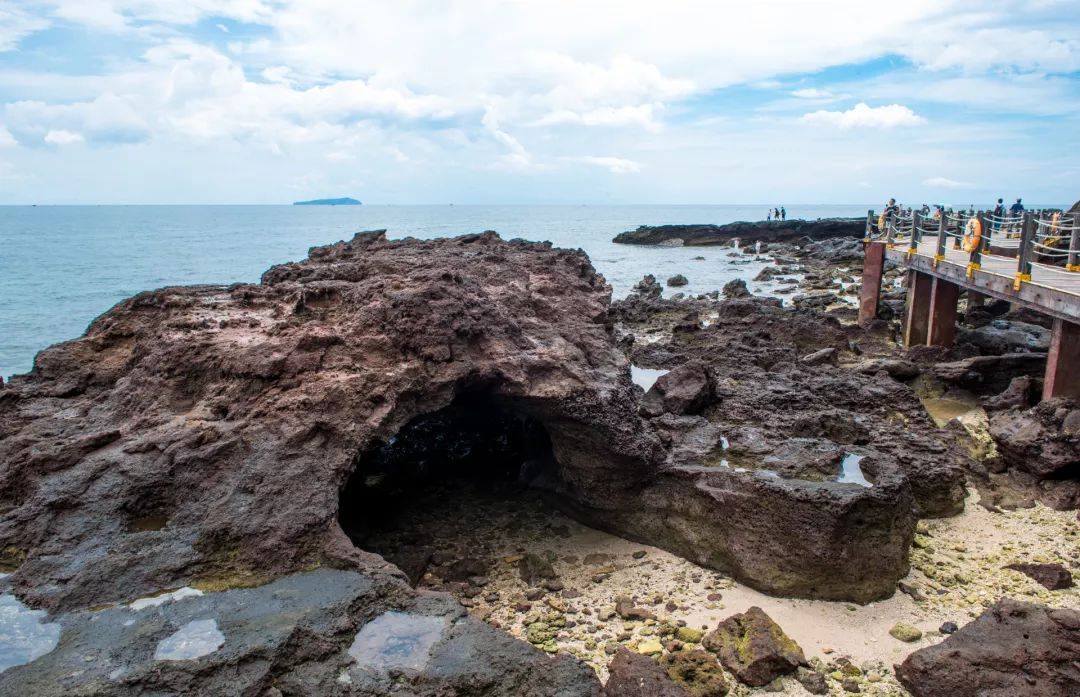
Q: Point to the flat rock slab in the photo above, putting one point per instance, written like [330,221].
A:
[307,633]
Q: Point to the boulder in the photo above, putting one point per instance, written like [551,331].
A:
[1052,576]
[735,289]
[1000,337]
[1022,392]
[634,675]
[1013,649]
[1043,440]
[677,280]
[683,390]
[754,648]
[648,287]
[697,672]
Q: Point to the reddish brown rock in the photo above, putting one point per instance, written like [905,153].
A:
[1043,440]
[1053,576]
[1013,649]
[754,648]
[634,675]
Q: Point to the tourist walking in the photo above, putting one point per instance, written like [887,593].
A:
[783,213]
[768,216]
[1017,208]
[776,213]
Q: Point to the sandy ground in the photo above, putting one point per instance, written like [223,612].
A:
[956,565]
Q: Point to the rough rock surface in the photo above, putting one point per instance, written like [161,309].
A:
[634,675]
[684,390]
[1014,649]
[746,232]
[306,634]
[1043,440]
[214,435]
[754,648]
[697,672]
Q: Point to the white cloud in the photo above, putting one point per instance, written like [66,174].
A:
[811,93]
[615,165]
[6,139]
[517,156]
[864,116]
[16,24]
[62,137]
[946,183]
[643,115]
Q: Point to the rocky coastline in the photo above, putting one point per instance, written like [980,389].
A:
[424,468]
[746,233]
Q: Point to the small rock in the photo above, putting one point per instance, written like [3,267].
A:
[638,554]
[677,280]
[813,681]
[1051,576]
[689,635]
[624,606]
[948,627]
[650,647]
[905,632]
[850,685]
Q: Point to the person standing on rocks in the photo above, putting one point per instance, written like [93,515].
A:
[783,213]
[768,216]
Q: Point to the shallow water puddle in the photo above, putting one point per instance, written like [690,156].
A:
[944,409]
[24,636]
[851,472]
[397,640]
[194,640]
[158,600]
[646,377]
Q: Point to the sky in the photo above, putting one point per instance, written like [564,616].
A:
[553,101]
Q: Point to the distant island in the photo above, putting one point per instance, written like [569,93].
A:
[328,202]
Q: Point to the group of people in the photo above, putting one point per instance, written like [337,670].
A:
[777,214]
[892,208]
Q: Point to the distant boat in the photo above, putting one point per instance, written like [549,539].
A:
[328,202]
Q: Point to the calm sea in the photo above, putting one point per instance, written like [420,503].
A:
[62,266]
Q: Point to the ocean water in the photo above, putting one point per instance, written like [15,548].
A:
[62,266]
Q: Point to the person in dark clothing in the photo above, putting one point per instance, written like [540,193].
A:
[999,209]
[1017,208]
[891,208]
[783,213]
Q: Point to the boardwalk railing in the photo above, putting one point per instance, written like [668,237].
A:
[1046,241]
[1030,260]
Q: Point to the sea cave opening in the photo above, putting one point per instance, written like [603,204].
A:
[439,493]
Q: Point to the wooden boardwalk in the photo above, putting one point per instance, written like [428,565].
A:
[1051,290]
[1031,262]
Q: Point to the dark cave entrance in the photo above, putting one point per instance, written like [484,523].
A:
[439,471]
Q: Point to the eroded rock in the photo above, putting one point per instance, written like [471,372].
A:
[754,648]
[1013,649]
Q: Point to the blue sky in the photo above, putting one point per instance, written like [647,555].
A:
[267,101]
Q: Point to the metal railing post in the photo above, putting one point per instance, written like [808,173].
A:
[1027,240]
[943,226]
[1073,263]
[890,229]
[916,234]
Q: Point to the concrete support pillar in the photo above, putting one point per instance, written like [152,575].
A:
[1063,362]
[942,325]
[870,293]
[917,319]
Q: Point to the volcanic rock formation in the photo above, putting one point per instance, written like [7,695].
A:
[225,436]
[746,232]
